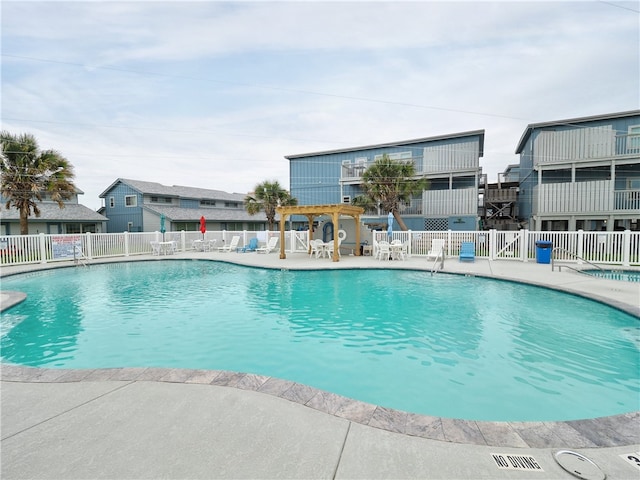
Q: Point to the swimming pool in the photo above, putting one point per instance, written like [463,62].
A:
[443,345]
[624,275]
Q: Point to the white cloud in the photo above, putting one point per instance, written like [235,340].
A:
[215,94]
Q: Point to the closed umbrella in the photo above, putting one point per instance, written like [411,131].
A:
[203,226]
[390,224]
[162,228]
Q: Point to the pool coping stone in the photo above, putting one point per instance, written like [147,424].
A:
[612,431]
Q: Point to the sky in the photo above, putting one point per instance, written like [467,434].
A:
[215,94]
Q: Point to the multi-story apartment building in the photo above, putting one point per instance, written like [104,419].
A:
[137,206]
[581,173]
[73,218]
[449,162]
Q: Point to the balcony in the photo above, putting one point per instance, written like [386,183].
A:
[463,201]
[440,203]
[583,197]
[351,172]
[462,158]
[587,144]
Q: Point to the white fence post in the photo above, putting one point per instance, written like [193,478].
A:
[126,244]
[580,246]
[524,245]
[43,249]
[493,238]
[89,252]
[626,248]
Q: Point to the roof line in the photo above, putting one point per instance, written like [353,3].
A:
[571,121]
[389,144]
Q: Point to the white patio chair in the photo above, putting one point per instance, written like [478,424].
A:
[398,250]
[317,248]
[329,249]
[197,245]
[155,248]
[384,250]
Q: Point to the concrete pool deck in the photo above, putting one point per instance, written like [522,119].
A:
[165,423]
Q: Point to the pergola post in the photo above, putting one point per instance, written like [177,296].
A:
[357,220]
[335,218]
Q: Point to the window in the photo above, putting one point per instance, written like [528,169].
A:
[207,203]
[112,202]
[231,204]
[233,227]
[73,228]
[160,199]
[396,156]
[80,228]
[131,200]
[346,199]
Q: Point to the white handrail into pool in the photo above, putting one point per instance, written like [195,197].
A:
[440,257]
[559,249]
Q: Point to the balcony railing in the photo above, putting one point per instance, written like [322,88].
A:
[463,201]
[583,197]
[584,144]
[435,160]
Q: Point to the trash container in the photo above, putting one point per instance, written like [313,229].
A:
[543,251]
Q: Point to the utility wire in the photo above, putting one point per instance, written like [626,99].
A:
[265,87]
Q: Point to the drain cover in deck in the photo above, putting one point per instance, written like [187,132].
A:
[579,465]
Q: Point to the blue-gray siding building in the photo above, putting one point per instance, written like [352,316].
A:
[451,163]
[581,173]
[137,206]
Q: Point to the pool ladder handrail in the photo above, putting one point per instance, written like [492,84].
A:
[79,258]
[440,257]
[564,250]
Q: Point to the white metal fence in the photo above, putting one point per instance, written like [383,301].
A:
[614,248]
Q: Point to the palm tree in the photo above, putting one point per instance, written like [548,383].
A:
[390,184]
[28,174]
[266,197]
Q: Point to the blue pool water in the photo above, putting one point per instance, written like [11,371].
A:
[624,275]
[443,345]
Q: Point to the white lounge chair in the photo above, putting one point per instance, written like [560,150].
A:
[231,247]
[271,244]
[437,248]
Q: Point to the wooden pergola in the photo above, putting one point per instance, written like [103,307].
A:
[312,211]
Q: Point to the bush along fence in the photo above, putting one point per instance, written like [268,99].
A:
[613,248]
